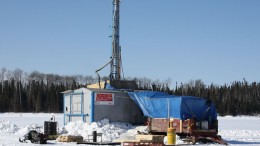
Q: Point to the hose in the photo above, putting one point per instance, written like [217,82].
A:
[101,69]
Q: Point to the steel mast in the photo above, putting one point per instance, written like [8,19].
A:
[115,69]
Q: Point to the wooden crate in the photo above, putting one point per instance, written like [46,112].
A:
[158,124]
[70,138]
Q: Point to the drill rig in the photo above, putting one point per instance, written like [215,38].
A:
[115,64]
[115,60]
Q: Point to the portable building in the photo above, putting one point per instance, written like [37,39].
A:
[91,105]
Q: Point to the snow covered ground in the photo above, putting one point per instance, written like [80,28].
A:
[240,130]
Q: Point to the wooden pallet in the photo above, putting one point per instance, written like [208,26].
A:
[70,138]
[143,144]
[99,143]
[150,138]
[52,137]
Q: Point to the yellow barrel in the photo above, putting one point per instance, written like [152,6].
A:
[171,136]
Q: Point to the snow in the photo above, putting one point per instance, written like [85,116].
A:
[110,131]
[240,130]
[7,127]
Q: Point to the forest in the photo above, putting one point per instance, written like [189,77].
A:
[41,92]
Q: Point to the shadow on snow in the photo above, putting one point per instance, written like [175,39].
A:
[241,142]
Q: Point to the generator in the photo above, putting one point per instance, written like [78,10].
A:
[189,130]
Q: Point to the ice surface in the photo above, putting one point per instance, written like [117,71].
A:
[240,130]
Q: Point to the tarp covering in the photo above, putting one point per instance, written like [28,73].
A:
[163,105]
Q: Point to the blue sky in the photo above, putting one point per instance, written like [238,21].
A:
[217,41]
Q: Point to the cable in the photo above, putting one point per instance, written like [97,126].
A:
[122,65]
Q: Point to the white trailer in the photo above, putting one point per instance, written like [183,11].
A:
[90,105]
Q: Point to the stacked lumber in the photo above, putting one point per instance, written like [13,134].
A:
[150,138]
[144,140]
[143,144]
[70,138]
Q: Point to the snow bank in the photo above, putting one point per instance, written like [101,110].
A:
[7,127]
[110,131]
[24,130]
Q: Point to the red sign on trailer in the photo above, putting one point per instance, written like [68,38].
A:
[104,98]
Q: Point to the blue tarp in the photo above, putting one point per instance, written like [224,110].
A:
[160,105]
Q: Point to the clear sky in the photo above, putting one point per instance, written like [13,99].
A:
[217,41]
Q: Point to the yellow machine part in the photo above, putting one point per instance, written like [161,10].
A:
[100,85]
[171,136]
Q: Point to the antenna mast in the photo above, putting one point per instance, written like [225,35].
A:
[115,69]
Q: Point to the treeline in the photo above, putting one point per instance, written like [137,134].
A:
[239,98]
[235,99]
[39,92]
[35,92]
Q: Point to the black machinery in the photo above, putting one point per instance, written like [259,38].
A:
[50,133]
[50,127]
[35,137]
